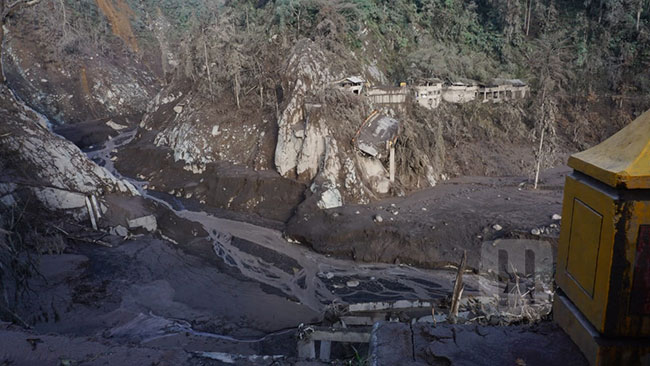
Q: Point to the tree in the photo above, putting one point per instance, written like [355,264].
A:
[548,61]
[6,9]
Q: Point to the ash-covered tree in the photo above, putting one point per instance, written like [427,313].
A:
[7,8]
[548,60]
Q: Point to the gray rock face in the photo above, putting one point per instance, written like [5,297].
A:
[59,174]
[299,152]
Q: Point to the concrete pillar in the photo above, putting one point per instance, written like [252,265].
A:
[325,348]
[98,210]
[91,213]
[392,163]
[306,349]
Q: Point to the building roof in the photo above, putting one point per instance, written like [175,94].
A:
[464,82]
[354,79]
[425,81]
[512,82]
[621,161]
[375,132]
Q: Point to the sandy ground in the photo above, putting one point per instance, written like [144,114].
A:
[430,228]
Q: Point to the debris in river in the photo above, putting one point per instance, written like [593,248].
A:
[146,222]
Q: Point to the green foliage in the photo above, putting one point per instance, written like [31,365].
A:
[478,39]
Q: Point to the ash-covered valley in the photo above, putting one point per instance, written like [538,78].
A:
[262,182]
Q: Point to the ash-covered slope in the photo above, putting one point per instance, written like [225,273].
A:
[35,160]
[74,69]
[299,135]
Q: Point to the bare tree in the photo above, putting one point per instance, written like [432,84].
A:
[548,62]
[638,14]
[529,11]
[7,8]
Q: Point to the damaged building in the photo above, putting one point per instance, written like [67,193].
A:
[388,95]
[428,93]
[460,92]
[498,90]
[353,84]
[377,137]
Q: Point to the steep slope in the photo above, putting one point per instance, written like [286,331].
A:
[70,70]
[36,161]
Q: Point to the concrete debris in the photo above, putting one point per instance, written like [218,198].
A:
[419,343]
[115,126]
[331,198]
[119,230]
[58,199]
[556,217]
[497,227]
[384,305]
[148,223]
[378,218]
[352,283]
[178,109]
[327,275]
[536,232]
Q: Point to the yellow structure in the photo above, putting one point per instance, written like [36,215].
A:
[603,265]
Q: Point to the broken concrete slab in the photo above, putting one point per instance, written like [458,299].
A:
[460,345]
[148,223]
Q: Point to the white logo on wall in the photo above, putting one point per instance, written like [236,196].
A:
[517,272]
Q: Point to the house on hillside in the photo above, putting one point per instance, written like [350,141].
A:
[499,90]
[428,93]
[460,92]
[517,89]
[387,95]
[353,84]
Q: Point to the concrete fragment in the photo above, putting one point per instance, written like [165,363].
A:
[115,126]
[148,223]
[178,109]
[331,198]
[91,213]
[536,232]
[497,227]
[120,230]
[378,218]
[58,199]
[556,217]
[352,283]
